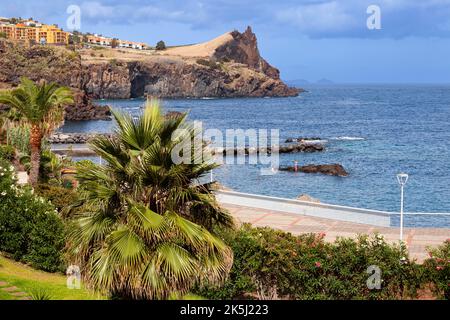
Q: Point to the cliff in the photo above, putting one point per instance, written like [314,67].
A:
[56,64]
[228,66]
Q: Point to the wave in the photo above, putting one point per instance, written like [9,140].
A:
[315,141]
[346,138]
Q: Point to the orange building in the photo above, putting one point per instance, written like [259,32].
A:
[9,30]
[39,33]
[51,35]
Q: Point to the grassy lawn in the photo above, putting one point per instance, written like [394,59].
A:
[29,280]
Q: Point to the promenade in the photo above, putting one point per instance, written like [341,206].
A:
[417,239]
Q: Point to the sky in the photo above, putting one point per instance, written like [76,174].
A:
[305,39]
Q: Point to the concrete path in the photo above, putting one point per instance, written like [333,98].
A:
[417,239]
[14,291]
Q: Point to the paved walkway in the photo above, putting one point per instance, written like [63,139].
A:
[417,239]
[14,292]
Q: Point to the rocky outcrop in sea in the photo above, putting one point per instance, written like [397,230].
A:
[328,169]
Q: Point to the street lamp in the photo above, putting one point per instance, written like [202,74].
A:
[402,179]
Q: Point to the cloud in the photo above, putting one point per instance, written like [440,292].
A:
[132,12]
[96,10]
[311,18]
[327,17]
[399,18]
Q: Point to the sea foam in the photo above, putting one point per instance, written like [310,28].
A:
[349,138]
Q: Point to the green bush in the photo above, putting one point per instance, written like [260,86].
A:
[113,63]
[7,152]
[437,269]
[47,240]
[208,63]
[59,196]
[274,264]
[51,166]
[160,45]
[84,163]
[30,229]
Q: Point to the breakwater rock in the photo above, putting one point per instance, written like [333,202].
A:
[82,138]
[303,139]
[293,148]
[74,138]
[328,169]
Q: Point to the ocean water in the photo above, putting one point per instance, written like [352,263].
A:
[374,131]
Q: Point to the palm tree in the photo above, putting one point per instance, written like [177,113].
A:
[42,107]
[144,223]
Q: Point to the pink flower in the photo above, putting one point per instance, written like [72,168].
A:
[318,264]
[439,268]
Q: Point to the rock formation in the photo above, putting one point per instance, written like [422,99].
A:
[303,139]
[52,64]
[228,66]
[243,48]
[308,198]
[328,169]
[80,138]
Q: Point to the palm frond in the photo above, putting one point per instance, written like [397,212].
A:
[146,227]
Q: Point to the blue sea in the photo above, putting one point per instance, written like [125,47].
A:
[374,131]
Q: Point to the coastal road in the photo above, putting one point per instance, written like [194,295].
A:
[417,239]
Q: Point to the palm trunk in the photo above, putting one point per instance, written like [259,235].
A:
[35,146]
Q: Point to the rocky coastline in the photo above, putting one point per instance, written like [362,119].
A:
[232,68]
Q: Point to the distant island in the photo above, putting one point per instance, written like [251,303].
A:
[325,82]
[227,66]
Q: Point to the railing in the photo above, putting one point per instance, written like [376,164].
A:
[422,219]
[329,211]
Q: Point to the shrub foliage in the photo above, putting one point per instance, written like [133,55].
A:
[437,269]
[271,264]
[7,152]
[30,228]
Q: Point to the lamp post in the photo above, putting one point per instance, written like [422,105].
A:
[402,179]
